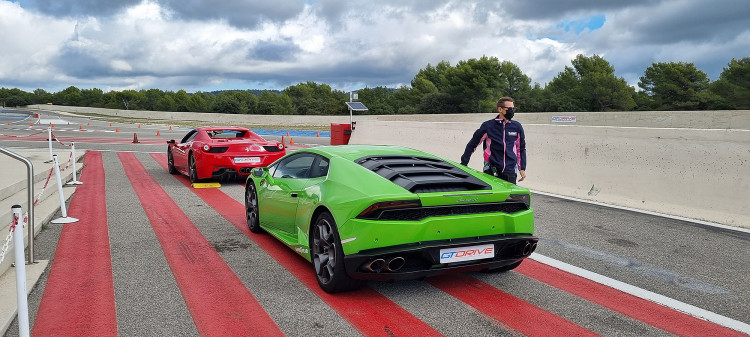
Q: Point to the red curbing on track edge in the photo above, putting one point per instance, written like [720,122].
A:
[219,302]
[379,317]
[79,297]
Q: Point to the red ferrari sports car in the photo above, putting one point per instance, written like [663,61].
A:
[221,153]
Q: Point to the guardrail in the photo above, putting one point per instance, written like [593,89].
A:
[30,187]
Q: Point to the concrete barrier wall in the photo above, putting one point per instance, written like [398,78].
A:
[692,164]
[694,173]
[724,119]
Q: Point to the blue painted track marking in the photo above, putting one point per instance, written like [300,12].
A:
[292,133]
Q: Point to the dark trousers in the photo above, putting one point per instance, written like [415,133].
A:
[509,177]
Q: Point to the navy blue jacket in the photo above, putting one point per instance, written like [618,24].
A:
[504,145]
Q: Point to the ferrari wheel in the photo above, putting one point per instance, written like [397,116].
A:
[328,257]
[193,169]
[251,208]
[170,163]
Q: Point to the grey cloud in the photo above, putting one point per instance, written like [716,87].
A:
[238,13]
[274,51]
[690,22]
[336,75]
[78,63]
[75,8]
[337,11]
[555,9]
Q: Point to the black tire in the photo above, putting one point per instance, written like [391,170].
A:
[503,268]
[170,163]
[328,257]
[251,208]
[193,170]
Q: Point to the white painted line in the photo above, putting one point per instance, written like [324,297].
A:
[675,217]
[645,294]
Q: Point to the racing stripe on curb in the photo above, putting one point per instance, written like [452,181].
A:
[648,312]
[79,297]
[380,316]
[217,299]
[507,309]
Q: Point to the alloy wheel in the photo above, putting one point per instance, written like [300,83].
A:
[324,251]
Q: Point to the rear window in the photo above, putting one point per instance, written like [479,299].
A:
[226,133]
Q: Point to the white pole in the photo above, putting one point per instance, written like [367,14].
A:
[49,140]
[18,247]
[65,219]
[75,171]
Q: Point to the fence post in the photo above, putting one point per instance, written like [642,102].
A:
[75,171]
[49,141]
[23,302]
[65,219]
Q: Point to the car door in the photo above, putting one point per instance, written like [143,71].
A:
[281,191]
[182,149]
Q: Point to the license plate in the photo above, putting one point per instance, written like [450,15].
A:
[246,160]
[469,253]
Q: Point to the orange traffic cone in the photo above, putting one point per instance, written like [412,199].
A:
[117,129]
[31,124]
[282,140]
[317,134]
[287,133]
[135,138]
[139,126]
[53,125]
[170,127]
[80,127]
[88,123]
[157,133]
[68,123]
[291,141]
[110,124]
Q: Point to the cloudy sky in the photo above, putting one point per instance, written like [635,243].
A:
[242,44]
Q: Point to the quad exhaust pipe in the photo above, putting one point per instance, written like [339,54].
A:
[529,248]
[375,266]
[392,264]
[395,263]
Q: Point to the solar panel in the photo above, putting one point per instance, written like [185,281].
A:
[356,106]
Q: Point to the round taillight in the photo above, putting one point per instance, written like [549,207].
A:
[206,147]
[280,146]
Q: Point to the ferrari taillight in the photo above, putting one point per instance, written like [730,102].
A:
[374,211]
[206,147]
[280,146]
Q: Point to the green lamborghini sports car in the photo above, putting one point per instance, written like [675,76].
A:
[369,212]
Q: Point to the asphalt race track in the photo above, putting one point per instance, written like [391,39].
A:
[152,256]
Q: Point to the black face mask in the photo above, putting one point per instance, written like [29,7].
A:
[509,113]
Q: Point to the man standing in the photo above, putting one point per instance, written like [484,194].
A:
[504,144]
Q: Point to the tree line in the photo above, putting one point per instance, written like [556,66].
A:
[470,86]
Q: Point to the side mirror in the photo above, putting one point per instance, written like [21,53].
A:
[258,172]
[171,141]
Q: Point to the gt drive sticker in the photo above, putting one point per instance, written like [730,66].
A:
[458,254]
